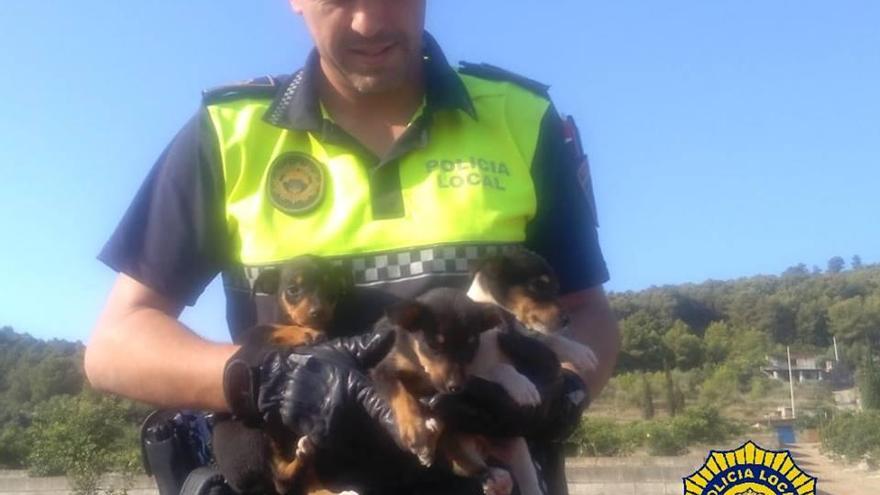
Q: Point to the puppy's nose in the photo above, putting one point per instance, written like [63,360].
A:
[564,320]
[453,387]
[315,312]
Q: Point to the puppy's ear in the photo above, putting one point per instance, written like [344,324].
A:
[344,278]
[409,315]
[267,282]
[490,317]
[489,265]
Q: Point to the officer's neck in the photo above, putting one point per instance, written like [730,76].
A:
[375,119]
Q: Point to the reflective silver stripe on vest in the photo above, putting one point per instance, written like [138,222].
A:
[398,266]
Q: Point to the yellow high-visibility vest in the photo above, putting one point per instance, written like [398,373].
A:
[288,194]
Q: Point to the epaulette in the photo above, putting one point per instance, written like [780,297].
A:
[491,72]
[265,86]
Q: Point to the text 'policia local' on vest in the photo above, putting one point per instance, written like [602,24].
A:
[289,193]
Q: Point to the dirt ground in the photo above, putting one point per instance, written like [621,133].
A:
[834,478]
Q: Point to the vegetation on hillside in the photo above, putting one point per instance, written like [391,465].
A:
[52,423]
[703,346]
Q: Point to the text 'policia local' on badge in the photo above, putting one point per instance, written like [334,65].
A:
[296,183]
[749,470]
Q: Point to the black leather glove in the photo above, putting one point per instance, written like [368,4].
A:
[561,413]
[309,389]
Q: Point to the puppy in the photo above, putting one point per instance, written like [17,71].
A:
[437,338]
[308,290]
[524,285]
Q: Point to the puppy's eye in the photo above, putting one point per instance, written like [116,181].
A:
[292,291]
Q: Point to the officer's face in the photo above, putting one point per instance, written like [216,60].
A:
[372,46]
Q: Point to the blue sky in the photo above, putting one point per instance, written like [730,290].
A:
[727,138]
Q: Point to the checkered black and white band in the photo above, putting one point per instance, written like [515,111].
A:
[398,266]
[391,267]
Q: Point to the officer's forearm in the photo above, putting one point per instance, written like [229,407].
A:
[593,324]
[143,353]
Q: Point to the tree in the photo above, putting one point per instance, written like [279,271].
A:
[869,385]
[777,319]
[717,341]
[835,264]
[857,321]
[674,397]
[647,398]
[686,348]
[856,262]
[642,347]
[812,324]
[797,271]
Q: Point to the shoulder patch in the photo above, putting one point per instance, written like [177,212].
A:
[264,86]
[572,137]
[493,73]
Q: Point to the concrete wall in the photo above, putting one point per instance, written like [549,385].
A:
[19,483]
[587,476]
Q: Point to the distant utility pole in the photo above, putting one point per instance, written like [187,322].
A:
[836,355]
[790,381]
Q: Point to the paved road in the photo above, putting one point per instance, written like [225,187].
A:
[834,478]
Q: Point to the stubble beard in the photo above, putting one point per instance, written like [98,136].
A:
[383,80]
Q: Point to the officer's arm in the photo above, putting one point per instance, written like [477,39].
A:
[593,324]
[139,350]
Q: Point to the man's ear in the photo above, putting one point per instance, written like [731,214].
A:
[296,6]
[409,315]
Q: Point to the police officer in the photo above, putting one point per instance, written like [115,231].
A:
[378,155]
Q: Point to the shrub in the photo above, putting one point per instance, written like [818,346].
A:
[703,424]
[14,446]
[603,437]
[82,437]
[663,439]
[855,436]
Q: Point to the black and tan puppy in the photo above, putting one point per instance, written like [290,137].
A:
[524,284]
[307,290]
[438,336]
[257,459]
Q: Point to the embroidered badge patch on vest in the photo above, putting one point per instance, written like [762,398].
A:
[296,183]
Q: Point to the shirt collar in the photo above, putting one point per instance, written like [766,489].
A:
[298,107]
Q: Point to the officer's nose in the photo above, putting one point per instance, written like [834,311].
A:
[370,17]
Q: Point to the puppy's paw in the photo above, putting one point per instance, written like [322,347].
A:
[426,456]
[304,447]
[432,425]
[520,388]
[582,357]
[417,438]
[497,482]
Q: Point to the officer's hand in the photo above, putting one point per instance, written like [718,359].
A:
[310,388]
